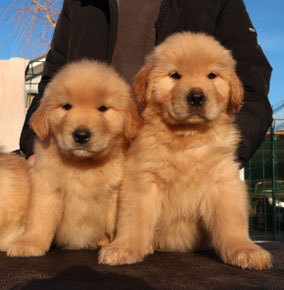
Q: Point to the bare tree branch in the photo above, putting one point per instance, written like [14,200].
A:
[47,12]
[30,23]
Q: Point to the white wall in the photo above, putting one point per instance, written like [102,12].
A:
[12,101]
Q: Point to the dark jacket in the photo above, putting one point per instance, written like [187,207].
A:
[87,28]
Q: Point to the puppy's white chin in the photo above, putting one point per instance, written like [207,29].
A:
[196,119]
[83,153]
[186,119]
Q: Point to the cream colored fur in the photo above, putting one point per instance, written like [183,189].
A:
[14,195]
[181,183]
[75,186]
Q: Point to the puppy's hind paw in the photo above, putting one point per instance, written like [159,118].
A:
[118,255]
[25,249]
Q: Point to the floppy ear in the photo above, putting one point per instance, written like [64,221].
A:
[39,122]
[236,93]
[133,121]
[142,85]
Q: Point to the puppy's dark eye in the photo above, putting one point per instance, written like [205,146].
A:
[103,108]
[175,75]
[212,76]
[67,107]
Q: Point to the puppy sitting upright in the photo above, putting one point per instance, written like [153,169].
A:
[84,124]
[181,182]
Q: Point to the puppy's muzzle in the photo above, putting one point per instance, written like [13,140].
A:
[82,136]
[195,98]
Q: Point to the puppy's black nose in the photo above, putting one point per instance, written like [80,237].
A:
[196,98]
[81,136]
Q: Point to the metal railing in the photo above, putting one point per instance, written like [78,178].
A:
[264,175]
[32,78]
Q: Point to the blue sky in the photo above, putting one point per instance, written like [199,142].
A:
[267,17]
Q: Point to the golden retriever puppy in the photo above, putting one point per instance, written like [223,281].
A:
[181,182]
[15,191]
[84,124]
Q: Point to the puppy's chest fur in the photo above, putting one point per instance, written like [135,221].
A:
[88,195]
[181,178]
[184,169]
[89,202]
[181,164]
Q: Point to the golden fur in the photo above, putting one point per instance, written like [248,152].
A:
[181,185]
[84,123]
[14,195]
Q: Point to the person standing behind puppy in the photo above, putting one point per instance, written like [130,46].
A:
[123,32]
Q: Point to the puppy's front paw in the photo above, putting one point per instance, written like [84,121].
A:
[118,254]
[25,249]
[251,257]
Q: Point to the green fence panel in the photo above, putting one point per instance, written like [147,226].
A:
[264,175]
